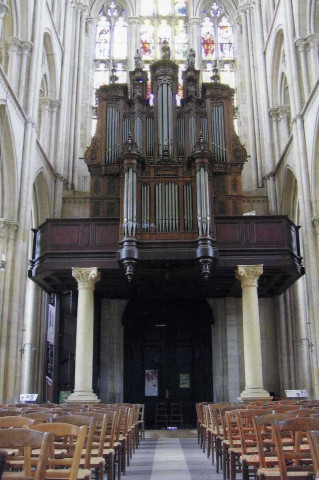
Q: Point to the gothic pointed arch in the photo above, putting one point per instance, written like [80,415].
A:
[8,168]
[40,200]
[278,67]
[289,199]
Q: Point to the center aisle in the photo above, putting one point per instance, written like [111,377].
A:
[170,458]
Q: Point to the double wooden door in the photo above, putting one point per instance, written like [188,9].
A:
[168,357]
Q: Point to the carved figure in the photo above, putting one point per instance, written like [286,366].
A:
[191,58]
[138,59]
[165,50]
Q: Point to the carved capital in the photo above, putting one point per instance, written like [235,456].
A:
[4,10]
[274,113]
[54,105]
[316,224]
[313,40]
[86,277]
[26,47]
[248,275]
[301,44]
[13,43]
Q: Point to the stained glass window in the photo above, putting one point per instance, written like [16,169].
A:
[208,39]
[217,44]
[147,40]
[180,7]
[103,38]
[225,39]
[181,40]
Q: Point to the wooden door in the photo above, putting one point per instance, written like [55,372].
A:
[168,356]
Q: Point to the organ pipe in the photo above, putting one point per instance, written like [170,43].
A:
[218,133]
[166,207]
[203,208]
[129,203]
[112,135]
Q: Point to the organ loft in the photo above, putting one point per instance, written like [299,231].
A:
[164,168]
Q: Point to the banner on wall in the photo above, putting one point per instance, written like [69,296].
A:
[151,383]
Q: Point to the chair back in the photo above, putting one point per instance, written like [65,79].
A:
[297,427]
[16,422]
[74,437]
[313,440]
[80,420]
[27,440]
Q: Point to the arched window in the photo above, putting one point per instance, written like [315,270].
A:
[217,43]
[110,44]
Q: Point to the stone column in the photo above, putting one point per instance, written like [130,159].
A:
[86,278]
[54,105]
[274,114]
[44,105]
[250,105]
[133,41]
[301,45]
[248,276]
[13,44]
[4,10]
[313,42]
[25,50]
[194,39]
[284,125]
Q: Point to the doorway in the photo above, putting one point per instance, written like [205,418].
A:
[167,355]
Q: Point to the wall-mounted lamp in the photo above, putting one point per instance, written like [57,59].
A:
[309,344]
[3,263]
[32,348]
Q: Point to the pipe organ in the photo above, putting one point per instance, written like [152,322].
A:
[165,171]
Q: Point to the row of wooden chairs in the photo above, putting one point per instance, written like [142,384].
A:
[242,438]
[110,432]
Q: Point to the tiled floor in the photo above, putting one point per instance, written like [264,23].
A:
[161,457]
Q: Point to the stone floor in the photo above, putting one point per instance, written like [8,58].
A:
[175,455]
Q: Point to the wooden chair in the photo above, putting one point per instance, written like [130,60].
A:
[26,441]
[141,422]
[41,417]
[161,415]
[248,442]
[16,422]
[313,441]
[294,462]
[104,438]
[64,461]
[280,445]
[87,461]
[175,414]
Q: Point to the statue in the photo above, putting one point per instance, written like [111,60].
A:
[166,51]
[138,59]
[191,58]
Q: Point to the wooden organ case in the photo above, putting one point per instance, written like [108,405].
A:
[165,170]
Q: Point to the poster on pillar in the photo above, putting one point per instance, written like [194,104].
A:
[151,383]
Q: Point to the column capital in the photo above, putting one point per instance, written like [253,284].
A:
[86,277]
[313,39]
[4,10]
[283,111]
[54,105]
[194,21]
[315,221]
[8,228]
[26,47]
[248,275]
[13,42]
[133,20]
[274,113]
[301,43]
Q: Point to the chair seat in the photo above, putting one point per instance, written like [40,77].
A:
[275,472]
[82,474]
